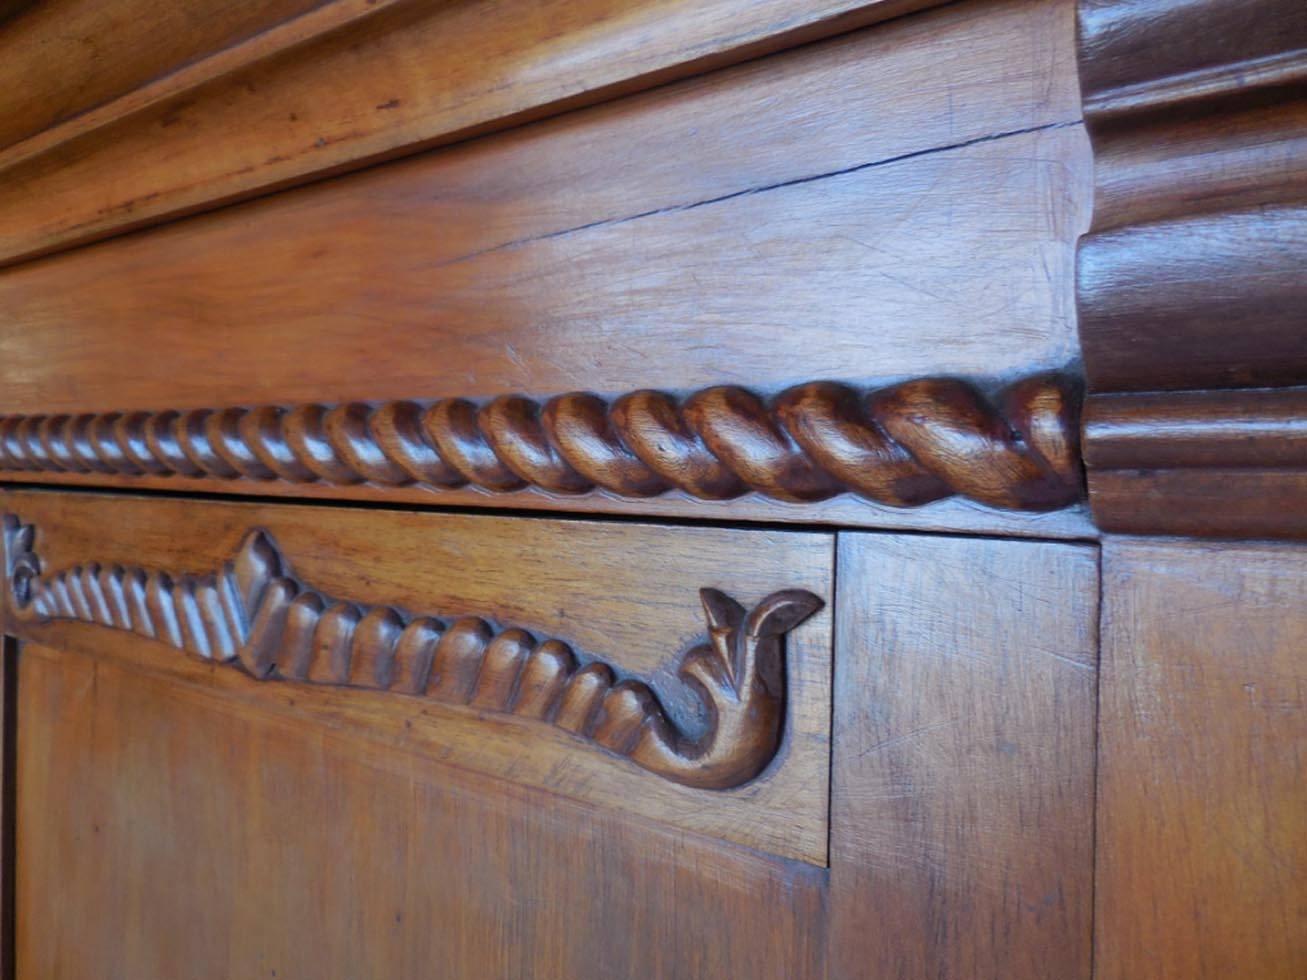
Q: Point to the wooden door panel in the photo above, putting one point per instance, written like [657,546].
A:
[962,816]
[170,832]
[492,603]
[187,812]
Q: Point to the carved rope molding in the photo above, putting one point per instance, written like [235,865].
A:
[256,613]
[904,445]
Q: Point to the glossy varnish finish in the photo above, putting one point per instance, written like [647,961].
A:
[470,579]
[832,287]
[581,254]
[350,82]
[62,58]
[905,446]
[832,237]
[1203,762]
[1190,280]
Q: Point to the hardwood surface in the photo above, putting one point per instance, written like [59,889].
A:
[624,594]
[820,238]
[764,280]
[255,613]
[826,224]
[1203,762]
[95,79]
[352,85]
[905,446]
[963,769]
[234,843]
[1190,279]
[62,58]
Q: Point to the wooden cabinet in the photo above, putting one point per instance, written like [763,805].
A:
[571,490]
[263,716]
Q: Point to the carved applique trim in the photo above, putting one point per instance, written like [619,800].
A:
[256,613]
[906,445]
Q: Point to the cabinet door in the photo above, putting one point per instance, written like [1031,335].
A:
[262,741]
[330,742]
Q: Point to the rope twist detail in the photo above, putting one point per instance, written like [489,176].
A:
[905,445]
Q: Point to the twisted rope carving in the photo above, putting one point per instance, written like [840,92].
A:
[905,445]
[254,611]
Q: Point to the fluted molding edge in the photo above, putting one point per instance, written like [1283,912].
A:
[904,445]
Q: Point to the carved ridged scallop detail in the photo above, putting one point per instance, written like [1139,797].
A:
[254,612]
[905,445]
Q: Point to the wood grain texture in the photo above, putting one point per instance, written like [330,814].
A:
[254,612]
[107,75]
[411,75]
[230,843]
[962,816]
[542,577]
[64,57]
[834,234]
[1252,428]
[904,446]
[1202,856]
[1190,279]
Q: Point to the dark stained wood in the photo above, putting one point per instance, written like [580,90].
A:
[1190,279]
[1203,762]
[905,446]
[962,815]
[1247,503]
[350,86]
[228,842]
[1197,302]
[950,515]
[12,8]
[1240,428]
[627,595]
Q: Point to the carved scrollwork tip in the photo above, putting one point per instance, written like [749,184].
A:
[254,611]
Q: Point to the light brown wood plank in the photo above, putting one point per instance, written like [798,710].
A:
[962,815]
[412,75]
[1202,854]
[893,270]
[62,58]
[554,258]
[167,836]
[953,514]
[625,594]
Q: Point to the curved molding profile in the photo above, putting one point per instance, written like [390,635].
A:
[256,613]
[905,445]
[1190,282]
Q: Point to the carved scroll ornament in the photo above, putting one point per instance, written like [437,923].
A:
[256,613]
[906,445]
